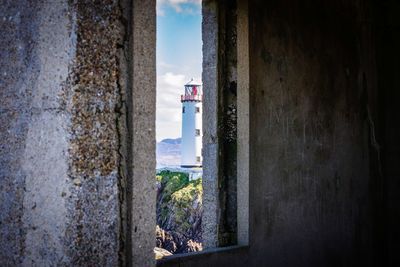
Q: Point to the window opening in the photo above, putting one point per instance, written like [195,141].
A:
[178,126]
[226,78]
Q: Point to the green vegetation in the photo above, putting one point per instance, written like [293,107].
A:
[171,182]
[185,202]
[179,201]
[186,195]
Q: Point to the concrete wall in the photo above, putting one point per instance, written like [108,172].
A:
[211,120]
[312,148]
[219,123]
[141,139]
[388,56]
[77,94]
[71,159]
[38,46]
[324,143]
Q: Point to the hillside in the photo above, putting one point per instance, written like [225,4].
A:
[179,212]
[168,153]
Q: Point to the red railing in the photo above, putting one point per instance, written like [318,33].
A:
[191,98]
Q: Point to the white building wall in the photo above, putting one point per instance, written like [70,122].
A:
[191,144]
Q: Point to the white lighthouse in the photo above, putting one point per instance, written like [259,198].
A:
[192,131]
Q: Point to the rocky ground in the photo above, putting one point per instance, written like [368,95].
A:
[179,212]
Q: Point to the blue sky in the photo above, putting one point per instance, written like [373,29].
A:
[179,58]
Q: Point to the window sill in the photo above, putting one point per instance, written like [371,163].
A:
[178,259]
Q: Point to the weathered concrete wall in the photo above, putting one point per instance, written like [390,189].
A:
[66,139]
[388,56]
[243,123]
[75,166]
[227,113]
[142,133]
[93,97]
[324,146]
[313,160]
[219,123]
[37,48]
[211,121]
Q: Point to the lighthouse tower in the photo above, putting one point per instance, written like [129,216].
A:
[192,131]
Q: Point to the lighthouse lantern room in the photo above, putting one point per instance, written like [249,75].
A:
[192,132]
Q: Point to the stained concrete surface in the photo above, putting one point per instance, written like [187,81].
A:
[313,162]
[323,187]
[142,129]
[93,97]
[243,94]
[220,132]
[323,138]
[211,120]
[60,97]
[227,112]
[323,135]
[37,47]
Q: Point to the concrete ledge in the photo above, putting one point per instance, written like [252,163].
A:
[190,166]
[234,255]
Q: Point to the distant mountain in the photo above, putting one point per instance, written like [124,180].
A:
[169,153]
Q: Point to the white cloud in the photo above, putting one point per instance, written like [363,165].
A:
[168,114]
[178,5]
[169,89]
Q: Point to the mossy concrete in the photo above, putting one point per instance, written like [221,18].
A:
[70,153]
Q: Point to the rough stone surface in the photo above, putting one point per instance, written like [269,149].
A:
[311,163]
[243,95]
[142,127]
[61,98]
[227,111]
[36,51]
[92,95]
[77,188]
[210,124]
[220,117]
[324,146]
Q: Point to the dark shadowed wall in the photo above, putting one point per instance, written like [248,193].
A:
[388,57]
[316,165]
[324,136]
